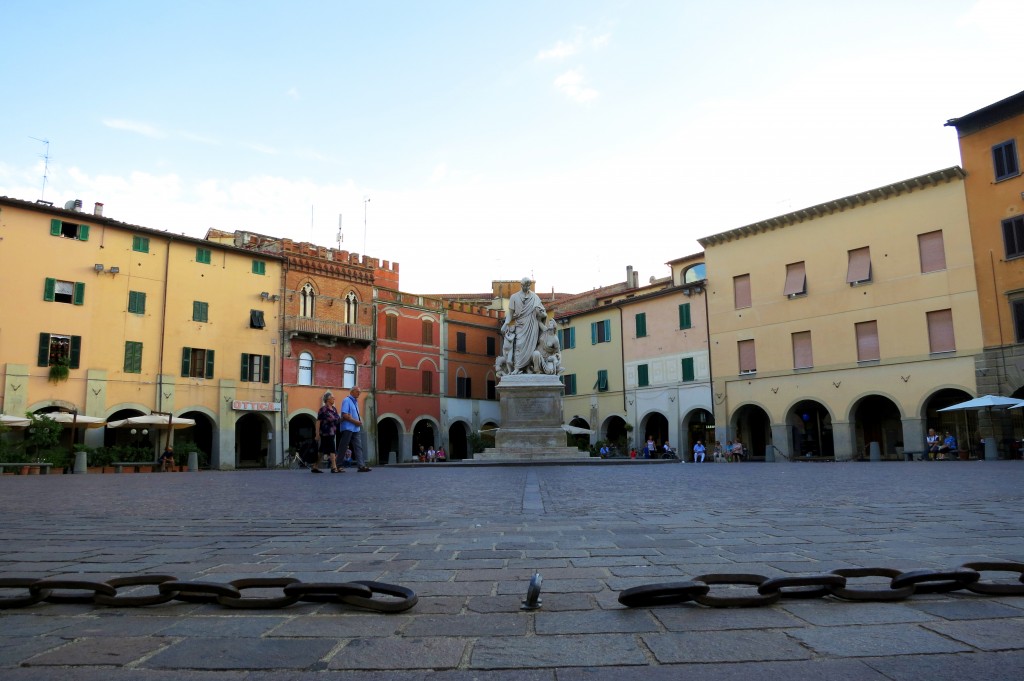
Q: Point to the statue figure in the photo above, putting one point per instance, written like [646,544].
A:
[521,330]
[547,358]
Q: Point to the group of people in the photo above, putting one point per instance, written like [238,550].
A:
[733,451]
[938,447]
[431,455]
[339,432]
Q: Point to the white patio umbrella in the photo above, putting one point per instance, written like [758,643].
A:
[13,421]
[78,420]
[574,430]
[988,404]
[154,421]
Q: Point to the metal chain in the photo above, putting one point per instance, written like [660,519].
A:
[902,585]
[66,590]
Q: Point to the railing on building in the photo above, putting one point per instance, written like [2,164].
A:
[328,328]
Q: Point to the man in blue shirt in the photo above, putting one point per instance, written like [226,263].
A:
[348,431]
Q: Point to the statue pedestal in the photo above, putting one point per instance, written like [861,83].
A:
[531,421]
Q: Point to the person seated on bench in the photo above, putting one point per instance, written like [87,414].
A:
[167,459]
[948,445]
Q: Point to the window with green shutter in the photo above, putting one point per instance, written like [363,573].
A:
[569,381]
[59,291]
[255,368]
[57,348]
[140,244]
[259,267]
[567,338]
[641,325]
[684,316]
[200,311]
[69,230]
[601,332]
[688,374]
[602,380]
[203,255]
[642,379]
[196,362]
[137,302]
[132,357]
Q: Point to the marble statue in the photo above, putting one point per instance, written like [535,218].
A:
[521,330]
[547,358]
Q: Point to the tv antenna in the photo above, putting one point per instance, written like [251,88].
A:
[341,237]
[46,164]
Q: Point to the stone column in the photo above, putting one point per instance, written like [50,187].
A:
[843,440]
[782,442]
[913,436]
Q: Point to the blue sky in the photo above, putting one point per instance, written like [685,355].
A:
[561,140]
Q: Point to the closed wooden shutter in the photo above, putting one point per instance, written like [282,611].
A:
[802,356]
[859,267]
[748,360]
[940,331]
[741,291]
[867,341]
[932,251]
[796,279]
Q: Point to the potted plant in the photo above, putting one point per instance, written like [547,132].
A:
[60,370]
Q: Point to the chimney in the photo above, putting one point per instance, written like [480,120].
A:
[629,277]
[98,210]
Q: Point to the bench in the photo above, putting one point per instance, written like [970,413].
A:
[44,468]
[119,466]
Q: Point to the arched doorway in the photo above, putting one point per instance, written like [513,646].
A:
[251,441]
[751,425]
[124,437]
[964,425]
[301,428]
[423,433]
[654,426]
[699,425]
[202,434]
[877,419]
[389,441]
[458,440]
[810,427]
[615,433]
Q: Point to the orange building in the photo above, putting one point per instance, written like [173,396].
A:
[470,401]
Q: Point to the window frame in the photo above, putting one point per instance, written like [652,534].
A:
[259,267]
[569,383]
[256,320]
[460,341]
[76,297]
[1013,230]
[643,376]
[640,321]
[688,369]
[567,337]
[796,280]
[1017,315]
[255,368]
[58,227]
[132,357]
[200,311]
[602,381]
[137,302]
[427,382]
[741,292]
[391,378]
[601,332]
[941,332]
[1005,154]
[866,342]
[802,349]
[391,326]
[931,251]
[304,367]
[140,244]
[747,354]
[46,356]
[193,369]
[204,256]
[858,266]
[685,317]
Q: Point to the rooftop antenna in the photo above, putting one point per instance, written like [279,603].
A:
[46,164]
[365,202]
[341,237]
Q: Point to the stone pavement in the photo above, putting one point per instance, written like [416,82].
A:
[468,539]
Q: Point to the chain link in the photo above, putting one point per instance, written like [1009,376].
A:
[66,590]
[901,585]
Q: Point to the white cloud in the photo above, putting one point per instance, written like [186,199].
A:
[135,126]
[561,50]
[293,93]
[600,41]
[260,148]
[573,85]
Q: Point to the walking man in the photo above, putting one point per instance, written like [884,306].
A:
[351,424]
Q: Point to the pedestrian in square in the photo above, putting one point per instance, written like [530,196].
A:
[351,425]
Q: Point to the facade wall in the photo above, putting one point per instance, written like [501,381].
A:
[585,360]
[897,298]
[470,367]
[173,273]
[990,201]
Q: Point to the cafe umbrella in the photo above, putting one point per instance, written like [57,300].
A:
[987,404]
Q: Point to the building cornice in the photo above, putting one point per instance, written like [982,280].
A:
[838,205]
[989,115]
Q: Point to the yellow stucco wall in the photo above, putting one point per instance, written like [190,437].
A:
[585,360]
[898,298]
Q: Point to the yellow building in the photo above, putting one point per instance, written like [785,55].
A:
[144,321]
[990,142]
[590,333]
[847,323]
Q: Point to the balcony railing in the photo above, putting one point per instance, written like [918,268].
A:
[307,326]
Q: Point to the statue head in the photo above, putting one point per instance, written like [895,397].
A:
[525,282]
